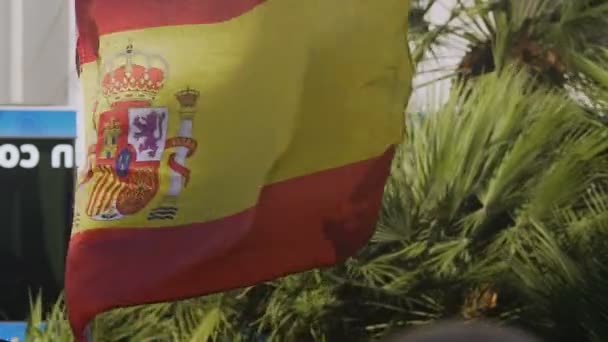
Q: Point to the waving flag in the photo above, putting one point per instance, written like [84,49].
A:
[230,142]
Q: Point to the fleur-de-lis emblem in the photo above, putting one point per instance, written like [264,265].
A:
[122,162]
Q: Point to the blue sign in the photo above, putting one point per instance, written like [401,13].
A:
[13,331]
[37,123]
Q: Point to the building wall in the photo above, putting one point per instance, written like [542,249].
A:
[46,52]
[4,57]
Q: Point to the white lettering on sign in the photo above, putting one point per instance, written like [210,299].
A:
[62,154]
[27,156]
[31,154]
[9,156]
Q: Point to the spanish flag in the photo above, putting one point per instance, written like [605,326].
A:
[230,142]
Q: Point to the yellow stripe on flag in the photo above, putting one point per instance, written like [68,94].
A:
[285,91]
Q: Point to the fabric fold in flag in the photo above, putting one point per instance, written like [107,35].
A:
[229,142]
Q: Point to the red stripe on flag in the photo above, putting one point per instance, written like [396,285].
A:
[99,17]
[123,15]
[312,221]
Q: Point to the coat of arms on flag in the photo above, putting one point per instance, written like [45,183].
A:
[132,141]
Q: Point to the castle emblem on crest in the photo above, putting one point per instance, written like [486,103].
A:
[132,141]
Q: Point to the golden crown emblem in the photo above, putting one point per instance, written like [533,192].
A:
[133,76]
[187,97]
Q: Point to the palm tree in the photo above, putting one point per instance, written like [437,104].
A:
[554,39]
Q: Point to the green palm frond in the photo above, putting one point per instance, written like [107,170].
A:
[495,186]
